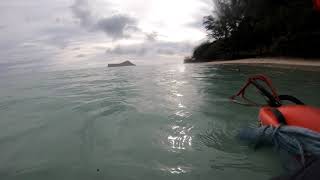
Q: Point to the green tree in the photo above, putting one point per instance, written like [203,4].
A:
[249,28]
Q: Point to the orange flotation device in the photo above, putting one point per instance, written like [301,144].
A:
[292,115]
[316,4]
[275,112]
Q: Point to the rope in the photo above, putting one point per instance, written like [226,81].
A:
[296,141]
[253,80]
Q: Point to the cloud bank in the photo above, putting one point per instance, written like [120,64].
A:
[149,48]
[116,26]
[120,26]
[146,28]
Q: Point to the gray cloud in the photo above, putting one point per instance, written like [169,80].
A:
[146,48]
[60,36]
[115,26]
[173,48]
[151,36]
[166,51]
[82,11]
[80,56]
[139,49]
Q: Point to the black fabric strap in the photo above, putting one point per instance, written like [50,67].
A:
[291,99]
[279,115]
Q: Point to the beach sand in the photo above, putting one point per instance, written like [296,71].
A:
[295,63]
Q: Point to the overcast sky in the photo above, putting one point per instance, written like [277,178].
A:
[67,30]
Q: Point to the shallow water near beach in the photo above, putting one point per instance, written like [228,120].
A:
[146,122]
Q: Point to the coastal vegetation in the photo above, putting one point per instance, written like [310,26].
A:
[259,28]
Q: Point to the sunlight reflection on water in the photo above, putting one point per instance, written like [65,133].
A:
[180,137]
[176,170]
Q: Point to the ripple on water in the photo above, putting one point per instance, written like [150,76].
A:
[175,120]
[180,138]
[176,169]
[238,162]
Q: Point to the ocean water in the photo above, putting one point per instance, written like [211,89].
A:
[132,123]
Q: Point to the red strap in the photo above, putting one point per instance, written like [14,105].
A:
[254,78]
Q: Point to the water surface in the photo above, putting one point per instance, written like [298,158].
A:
[144,122]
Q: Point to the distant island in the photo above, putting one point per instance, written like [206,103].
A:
[239,29]
[126,63]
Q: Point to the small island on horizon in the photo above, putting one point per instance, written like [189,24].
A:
[125,63]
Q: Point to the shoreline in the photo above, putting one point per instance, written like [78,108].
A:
[276,61]
[296,63]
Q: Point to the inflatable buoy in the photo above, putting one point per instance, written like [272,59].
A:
[292,128]
[316,4]
[291,115]
[275,112]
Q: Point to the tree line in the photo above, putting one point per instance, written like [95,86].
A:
[255,28]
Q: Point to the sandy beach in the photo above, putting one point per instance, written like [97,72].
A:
[296,63]
[275,61]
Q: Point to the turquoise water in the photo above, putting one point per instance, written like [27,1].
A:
[145,122]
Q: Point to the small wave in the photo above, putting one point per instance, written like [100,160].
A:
[239,162]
